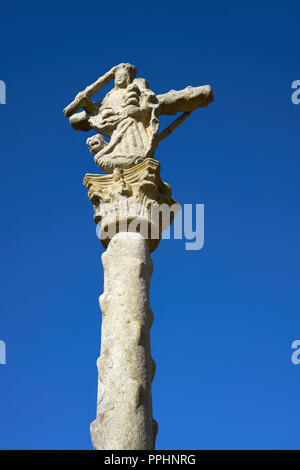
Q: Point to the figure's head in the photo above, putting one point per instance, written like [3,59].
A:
[96,143]
[124,75]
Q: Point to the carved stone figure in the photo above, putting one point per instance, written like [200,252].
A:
[132,207]
[129,116]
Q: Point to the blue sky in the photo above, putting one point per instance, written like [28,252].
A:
[225,316]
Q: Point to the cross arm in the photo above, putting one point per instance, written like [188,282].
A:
[186,100]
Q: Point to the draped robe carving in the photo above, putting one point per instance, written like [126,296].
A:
[128,117]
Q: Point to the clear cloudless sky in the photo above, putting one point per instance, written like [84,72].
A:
[226,315]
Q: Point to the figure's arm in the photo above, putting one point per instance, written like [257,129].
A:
[82,100]
[186,100]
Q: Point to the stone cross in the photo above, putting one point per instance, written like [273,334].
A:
[132,206]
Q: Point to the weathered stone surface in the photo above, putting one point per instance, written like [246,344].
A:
[132,206]
[186,100]
[129,116]
[135,196]
[130,197]
[124,410]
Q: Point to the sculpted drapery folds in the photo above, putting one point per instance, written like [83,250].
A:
[128,116]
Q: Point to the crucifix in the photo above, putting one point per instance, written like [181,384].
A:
[130,202]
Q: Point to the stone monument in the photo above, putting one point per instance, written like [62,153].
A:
[128,206]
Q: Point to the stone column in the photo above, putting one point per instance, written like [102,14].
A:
[126,369]
[124,205]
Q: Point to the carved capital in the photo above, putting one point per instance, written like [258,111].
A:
[134,199]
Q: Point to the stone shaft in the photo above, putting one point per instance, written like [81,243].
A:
[124,406]
[132,207]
